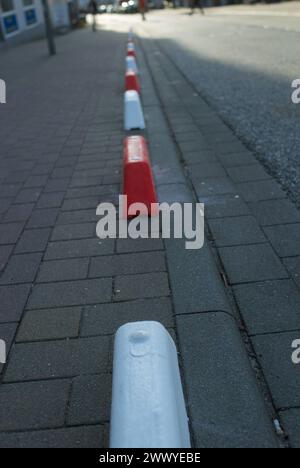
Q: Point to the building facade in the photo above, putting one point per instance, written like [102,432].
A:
[20,17]
[24,19]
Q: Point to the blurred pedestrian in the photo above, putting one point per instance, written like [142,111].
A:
[194,5]
[143,8]
[93,8]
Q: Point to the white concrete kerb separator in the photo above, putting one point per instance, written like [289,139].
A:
[133,112]
[148,408]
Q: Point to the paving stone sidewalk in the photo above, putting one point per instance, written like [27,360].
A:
[252,228]
[63,292]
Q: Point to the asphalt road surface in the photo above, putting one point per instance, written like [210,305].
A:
[243,63]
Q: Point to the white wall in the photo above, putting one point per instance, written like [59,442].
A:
[59,13]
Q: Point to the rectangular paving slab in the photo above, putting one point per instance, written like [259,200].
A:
[225,405]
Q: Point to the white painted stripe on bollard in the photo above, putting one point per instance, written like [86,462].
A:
[148,408]
[133,114]
[130,35]
[131,64]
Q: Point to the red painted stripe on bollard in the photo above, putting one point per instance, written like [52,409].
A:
[138,183]
[132,82]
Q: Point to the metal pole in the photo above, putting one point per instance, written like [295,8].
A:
[49,29]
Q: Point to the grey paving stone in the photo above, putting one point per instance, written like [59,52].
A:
[94,173]
[275,354]
[221,136]
[253,172]
[197,157]
[74,231]
[239,230]
[5,204]
[87,181]
[272,212]
[237,159]
[97,165]
[127,264]
[79,248]
[21,268]
[291,423]
[70,293]
[9,233]
[182,127]
[33,240]
[194,145]
[58,359]
[167,173]
[249,263]
[221,206]
[18,213]
[285,239]
[86,203]
[9,190]
[62,172]
[56,185]
[5,251]
[141,286]
[33,405]
[36,181]
[268,307]
[230,147]
[73,437]
[12,302]
[90,400]
[92,191]
[211,187]
[226,407]
[50,200]
[138,245]
[80,216]
[171,193]
[293,266]
[28,195]
[206,170]
[206,293]
[261,190]
[63,270]
[41,169]
[49,324]
[42,218]
[105,319]
[17,176]
[189,136]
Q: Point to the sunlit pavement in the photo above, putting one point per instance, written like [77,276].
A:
[244,65]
